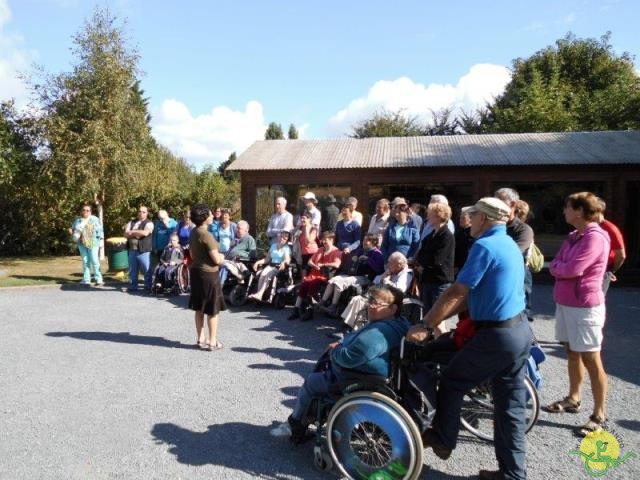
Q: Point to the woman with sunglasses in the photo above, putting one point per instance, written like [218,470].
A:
[366,352]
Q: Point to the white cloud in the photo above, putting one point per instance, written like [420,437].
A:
[482,83]
[207,138]
[14,59]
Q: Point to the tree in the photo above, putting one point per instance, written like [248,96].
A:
[388,124]
[293,132]
[274,132]
[222,168]
[578,84]
[442,123]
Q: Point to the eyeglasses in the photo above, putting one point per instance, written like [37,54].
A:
[86,209]
[374,302]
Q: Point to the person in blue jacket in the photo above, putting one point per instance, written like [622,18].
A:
[401,235]
[366,351]
[164,227]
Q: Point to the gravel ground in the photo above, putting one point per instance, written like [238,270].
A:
[103,384]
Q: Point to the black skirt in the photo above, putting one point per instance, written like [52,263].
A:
[206,292]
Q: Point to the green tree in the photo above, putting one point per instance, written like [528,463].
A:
[274,132]
[293,132]
[577,84]
[222,168]
[442,123]
[388,124]
[18,169]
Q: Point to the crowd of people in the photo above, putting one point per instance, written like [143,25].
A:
[477,270]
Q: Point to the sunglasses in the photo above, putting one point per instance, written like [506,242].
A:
[374,302]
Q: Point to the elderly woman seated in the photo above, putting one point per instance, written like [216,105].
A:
[277,260]
[320,265]
[398,275]
[368,266]
[365,352]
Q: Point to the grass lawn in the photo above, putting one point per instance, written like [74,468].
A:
[22,271]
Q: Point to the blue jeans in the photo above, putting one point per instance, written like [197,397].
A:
[90,259]
[430,293]
[499,355]
[139,261]
[316,384]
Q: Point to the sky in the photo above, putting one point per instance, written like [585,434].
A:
[217,72]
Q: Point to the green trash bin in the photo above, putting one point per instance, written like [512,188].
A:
[117,253]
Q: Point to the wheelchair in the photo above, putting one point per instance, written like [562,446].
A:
[178,282]
[282,289]
[235,289]
[369,428]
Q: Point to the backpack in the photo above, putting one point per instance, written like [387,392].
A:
[535,259]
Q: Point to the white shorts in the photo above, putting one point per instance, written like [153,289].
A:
[580,327]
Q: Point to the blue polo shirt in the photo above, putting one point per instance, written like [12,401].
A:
[494,273]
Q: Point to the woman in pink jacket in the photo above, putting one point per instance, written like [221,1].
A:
[578,269]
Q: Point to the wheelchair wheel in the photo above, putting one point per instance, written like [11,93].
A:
[477,410]
[238,295]
[370,435]
[183,278]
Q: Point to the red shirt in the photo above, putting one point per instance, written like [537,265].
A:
[617,242]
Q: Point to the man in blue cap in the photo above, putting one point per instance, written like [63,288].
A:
[490,286]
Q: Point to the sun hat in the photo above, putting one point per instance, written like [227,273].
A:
[310,196]
[492,207]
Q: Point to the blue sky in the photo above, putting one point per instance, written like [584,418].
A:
[217,72]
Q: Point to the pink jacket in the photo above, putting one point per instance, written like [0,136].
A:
[579,268]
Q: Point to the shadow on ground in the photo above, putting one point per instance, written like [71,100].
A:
[250,449]
[122,337]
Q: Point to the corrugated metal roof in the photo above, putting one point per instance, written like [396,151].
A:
[565,148]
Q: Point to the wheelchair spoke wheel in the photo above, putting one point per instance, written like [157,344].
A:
[476,415]
[369,435]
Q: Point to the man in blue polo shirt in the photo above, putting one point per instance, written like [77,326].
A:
[490,286]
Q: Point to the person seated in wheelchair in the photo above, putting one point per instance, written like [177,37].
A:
[360,356]
[171,257]
[361,272]
[320,268]
[242,251]
[277,260]
[398,275]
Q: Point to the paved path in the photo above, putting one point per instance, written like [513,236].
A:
[105,385]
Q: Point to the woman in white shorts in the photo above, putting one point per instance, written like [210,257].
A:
[578,269]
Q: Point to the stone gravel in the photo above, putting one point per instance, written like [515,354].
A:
[101,384]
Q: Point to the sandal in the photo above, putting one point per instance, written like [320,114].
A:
[595,423]
[213,348]
[566,405]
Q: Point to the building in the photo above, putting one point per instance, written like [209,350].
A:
[543,167]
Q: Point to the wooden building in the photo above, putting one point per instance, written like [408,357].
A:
[543,167]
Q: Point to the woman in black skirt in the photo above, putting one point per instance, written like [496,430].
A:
[206,291]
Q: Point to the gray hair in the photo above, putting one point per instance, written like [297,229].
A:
[282,199]
[508,195]
[437,198]
[353,201]
[243,224]
[398,257]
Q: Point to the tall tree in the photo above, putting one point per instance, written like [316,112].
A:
[222,168]
[96,118]
[442,123]
[577,84]
[274,132]
[388,124]
[293,132]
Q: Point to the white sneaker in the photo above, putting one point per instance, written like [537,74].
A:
[282,430]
